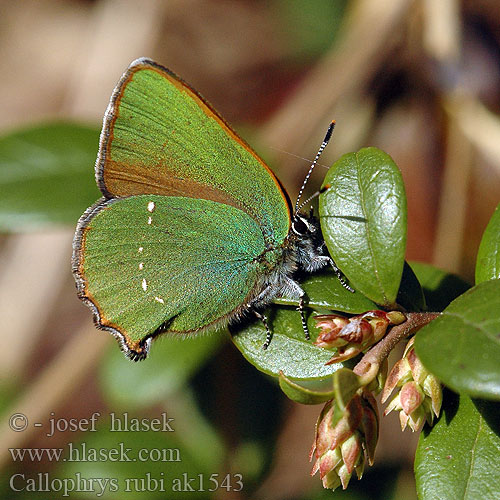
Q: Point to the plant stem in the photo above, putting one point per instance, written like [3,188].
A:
[370,363]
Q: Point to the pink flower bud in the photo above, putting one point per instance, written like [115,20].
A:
[343,439]
[420,394]
[355,334]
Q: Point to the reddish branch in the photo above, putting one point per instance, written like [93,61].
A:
[370,363]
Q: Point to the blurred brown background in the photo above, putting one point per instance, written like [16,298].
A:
[419,79]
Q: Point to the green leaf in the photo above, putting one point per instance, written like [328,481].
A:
[345,385]
[459,458]
[47,175]
[439,287]
[462,347]
[363,219]
[289,351]
[307,392]
[170,365]
[325,293]
[410,294]
[488,255]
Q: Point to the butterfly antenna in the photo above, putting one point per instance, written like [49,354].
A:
[317,193]
[318,154]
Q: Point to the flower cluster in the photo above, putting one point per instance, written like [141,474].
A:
[420,394]
[345,440]
[355,334]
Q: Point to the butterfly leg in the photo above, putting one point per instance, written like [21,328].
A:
[329,261]
[300,308]
[292,289]
[269,335]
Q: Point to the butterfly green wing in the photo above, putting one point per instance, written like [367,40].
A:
[149,261]
[160,137]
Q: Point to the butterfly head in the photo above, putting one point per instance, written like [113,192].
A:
[304,226]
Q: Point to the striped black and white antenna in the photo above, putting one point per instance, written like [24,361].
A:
[328,135]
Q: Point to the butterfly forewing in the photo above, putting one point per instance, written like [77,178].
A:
[160,137]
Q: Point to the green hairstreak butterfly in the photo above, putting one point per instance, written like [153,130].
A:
[193,230]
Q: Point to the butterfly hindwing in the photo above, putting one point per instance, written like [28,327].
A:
[147,261]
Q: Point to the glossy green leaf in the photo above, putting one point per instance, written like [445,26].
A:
[307,392]
[488,255]
[459,458]
[171,363]
[289,351]
[325,293]
[345,385]
[410,294]
[439,287]
[462,347]
[47,175]
[363,219]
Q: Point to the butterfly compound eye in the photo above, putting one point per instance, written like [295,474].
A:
[300,226]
